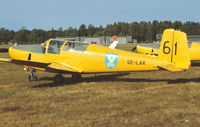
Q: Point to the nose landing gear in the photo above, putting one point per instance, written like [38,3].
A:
[58,79]
[33,75]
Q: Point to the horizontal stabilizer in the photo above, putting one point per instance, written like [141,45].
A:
[171,67]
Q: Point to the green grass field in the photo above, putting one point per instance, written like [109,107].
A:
[137,99]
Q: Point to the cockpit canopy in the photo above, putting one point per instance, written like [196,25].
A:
[55,46]
[75,46]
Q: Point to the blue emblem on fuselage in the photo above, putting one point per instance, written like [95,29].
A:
[111,60]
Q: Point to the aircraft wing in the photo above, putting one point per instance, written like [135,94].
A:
[39,64]
[45,65]
[147,50]
[4,60]
[64,67]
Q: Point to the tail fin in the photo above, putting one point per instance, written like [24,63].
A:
[174,50]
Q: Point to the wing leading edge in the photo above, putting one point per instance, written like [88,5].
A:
[4,60]
[56,67]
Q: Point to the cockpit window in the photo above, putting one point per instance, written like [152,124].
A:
[55,46]
[75,46]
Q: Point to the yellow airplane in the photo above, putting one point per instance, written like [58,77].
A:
[194,51]
[146,50]
[76,58]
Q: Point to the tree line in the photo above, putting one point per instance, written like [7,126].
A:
[142,31]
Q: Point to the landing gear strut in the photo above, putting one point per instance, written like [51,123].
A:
[33,75]
[58,79]
[76,76]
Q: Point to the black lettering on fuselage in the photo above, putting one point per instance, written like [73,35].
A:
[136,62]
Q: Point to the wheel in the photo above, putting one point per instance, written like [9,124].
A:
[76,76]
[32,76]
[58,79]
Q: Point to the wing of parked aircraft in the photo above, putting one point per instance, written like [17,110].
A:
[147,50]
[40,65]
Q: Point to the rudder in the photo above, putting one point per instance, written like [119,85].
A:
[174,49]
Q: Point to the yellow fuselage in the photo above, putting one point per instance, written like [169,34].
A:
[95,59]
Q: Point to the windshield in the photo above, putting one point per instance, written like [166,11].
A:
[76,46]
[55,46]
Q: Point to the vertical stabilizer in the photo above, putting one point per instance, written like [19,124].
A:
[174,49]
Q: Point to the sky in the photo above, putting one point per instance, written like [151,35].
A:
[48,14]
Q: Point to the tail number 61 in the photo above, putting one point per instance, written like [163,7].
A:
[167,49]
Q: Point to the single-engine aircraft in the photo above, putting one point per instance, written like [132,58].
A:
[194,50]
[76,58]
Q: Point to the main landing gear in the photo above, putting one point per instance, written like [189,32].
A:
[33,75]
[58,79]
[76,76]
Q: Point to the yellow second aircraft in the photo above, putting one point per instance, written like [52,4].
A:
[194,51]
[68,57]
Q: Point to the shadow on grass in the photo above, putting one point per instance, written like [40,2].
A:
[114,78]
[194,64]
[181,80]
[68,81]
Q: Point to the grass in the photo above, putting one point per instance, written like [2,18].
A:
[140,99]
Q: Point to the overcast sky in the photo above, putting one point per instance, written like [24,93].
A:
[47,14]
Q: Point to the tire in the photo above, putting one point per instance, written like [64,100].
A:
[58,79]
[76,76]
[32,78]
